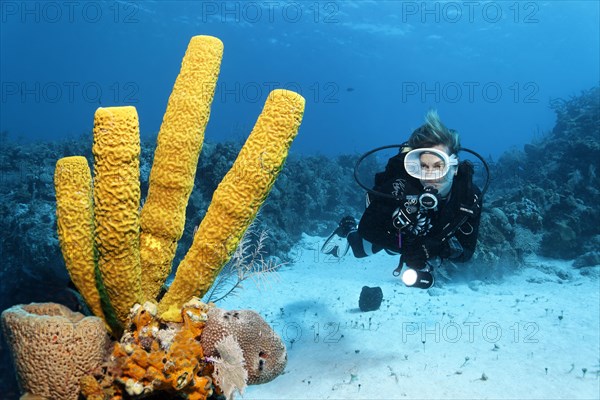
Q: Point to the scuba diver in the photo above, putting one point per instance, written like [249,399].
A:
[423,206]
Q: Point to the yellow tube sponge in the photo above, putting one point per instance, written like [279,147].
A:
[237,200]
[116,152]
[175,160]
[75,220]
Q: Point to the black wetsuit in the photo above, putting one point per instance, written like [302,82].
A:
[456,216]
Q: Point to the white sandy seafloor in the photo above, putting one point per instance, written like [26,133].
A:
[529,337]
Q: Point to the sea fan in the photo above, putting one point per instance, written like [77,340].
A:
[230,374]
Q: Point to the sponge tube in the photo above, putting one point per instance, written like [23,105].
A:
[116,152]
[236,200]
[175,160]
[75,220]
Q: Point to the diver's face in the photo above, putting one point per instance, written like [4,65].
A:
[432,167]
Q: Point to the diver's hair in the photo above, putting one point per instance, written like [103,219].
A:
[433,133]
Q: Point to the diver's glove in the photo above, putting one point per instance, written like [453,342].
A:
[420,251]
[346,225]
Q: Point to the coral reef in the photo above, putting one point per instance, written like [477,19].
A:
[589,259]
[551,187]
[235,202]
[108,253]
[53,347]
[150,359]
[210,351]
[547,191]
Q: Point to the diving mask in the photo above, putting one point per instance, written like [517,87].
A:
[434,168]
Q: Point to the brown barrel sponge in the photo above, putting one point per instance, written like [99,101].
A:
[53,347]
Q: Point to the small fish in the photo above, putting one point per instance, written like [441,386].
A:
[349,89]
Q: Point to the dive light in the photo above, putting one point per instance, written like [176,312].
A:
[418,278]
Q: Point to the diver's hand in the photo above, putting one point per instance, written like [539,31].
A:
[419,252]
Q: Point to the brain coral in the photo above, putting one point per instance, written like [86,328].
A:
[264,351]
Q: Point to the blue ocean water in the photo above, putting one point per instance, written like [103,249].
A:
[368,69]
